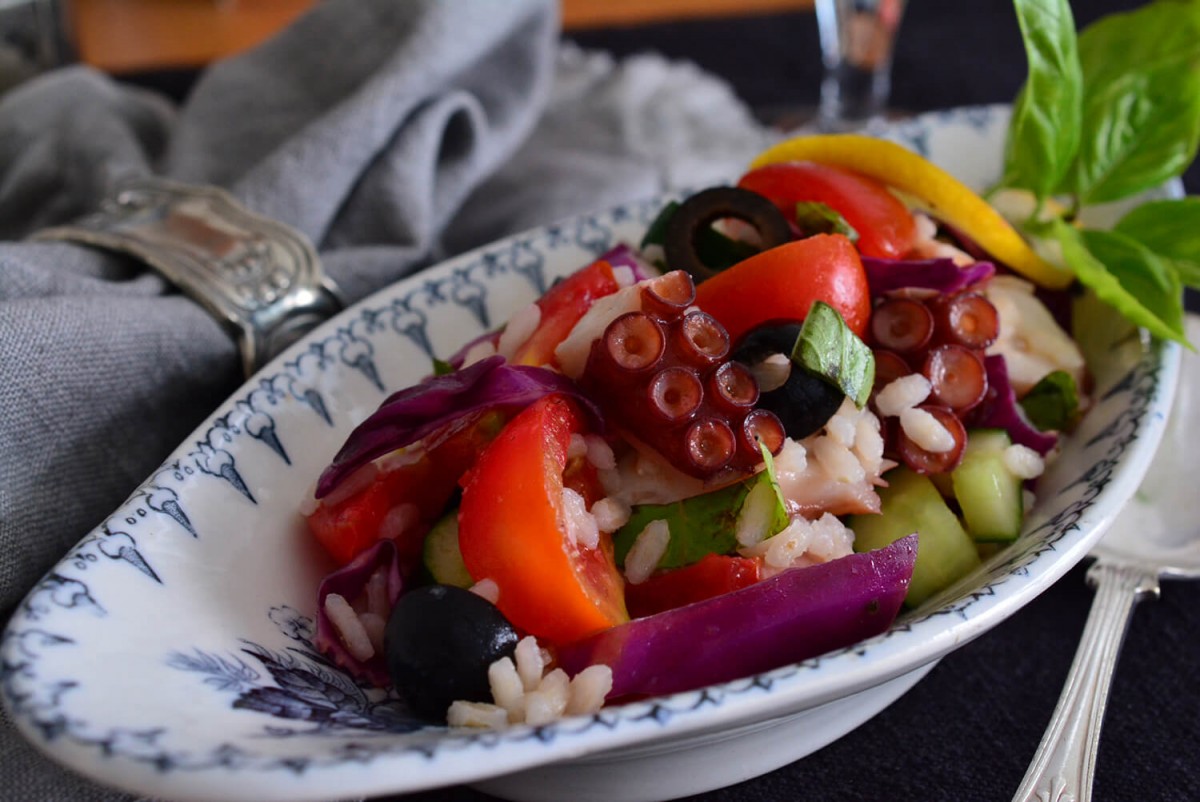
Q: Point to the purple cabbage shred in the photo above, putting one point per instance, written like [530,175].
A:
[1000,410]
[349,582]
[416,412]
[887,275]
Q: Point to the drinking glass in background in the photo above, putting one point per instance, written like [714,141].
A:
[857,38]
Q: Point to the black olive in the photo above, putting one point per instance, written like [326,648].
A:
[805,402]
[440,641]
[687,229]
[767,340]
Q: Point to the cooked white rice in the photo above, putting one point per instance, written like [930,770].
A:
[577,446]
[646,552]
[488,589]
[901,394]
[375,626]
[772,372]
[580,525]
[623,275]
[548,702]
[398,520]
[611,513]
[926,431]
[508,691]
[868,441]
[804,542]
[600,453]
[349,627]
[525,692]
[477,714]
[531,663]
[1023,461]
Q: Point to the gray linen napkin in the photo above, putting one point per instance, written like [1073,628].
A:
[365,126]
[392,134]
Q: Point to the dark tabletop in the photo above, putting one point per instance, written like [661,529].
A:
[969,729]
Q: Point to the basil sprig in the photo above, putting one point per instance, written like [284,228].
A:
[1104,116]
[1043,135]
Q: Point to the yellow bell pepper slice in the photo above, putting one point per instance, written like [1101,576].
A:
[940,193]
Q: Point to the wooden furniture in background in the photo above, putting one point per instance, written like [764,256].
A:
[127,36]
[580,14]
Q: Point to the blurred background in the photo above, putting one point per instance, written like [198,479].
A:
[135,37]
[948,53]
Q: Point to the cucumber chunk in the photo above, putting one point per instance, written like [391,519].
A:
[988,493]
[911,503]
[441,556]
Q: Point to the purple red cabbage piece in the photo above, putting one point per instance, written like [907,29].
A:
[349,582]
[942,275]
[1000,410]
[416,412]
[792,616]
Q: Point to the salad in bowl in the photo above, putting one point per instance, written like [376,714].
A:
[795,406]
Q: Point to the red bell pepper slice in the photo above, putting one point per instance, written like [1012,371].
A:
[712,575]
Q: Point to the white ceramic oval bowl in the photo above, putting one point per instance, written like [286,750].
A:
[168,654]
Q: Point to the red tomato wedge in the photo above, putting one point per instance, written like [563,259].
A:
[511,530]
[780,284]
[562,306]
[418,492]
[885,226]
[711,576]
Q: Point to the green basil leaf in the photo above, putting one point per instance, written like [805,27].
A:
[814,217]
[1052,403]
[709,523]
[441,367]
[1043,134]
[1170,228]
[1126,276]
[827,348]
[1141,101]
[1142,273]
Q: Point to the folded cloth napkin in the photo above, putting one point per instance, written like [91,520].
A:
[391,134]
